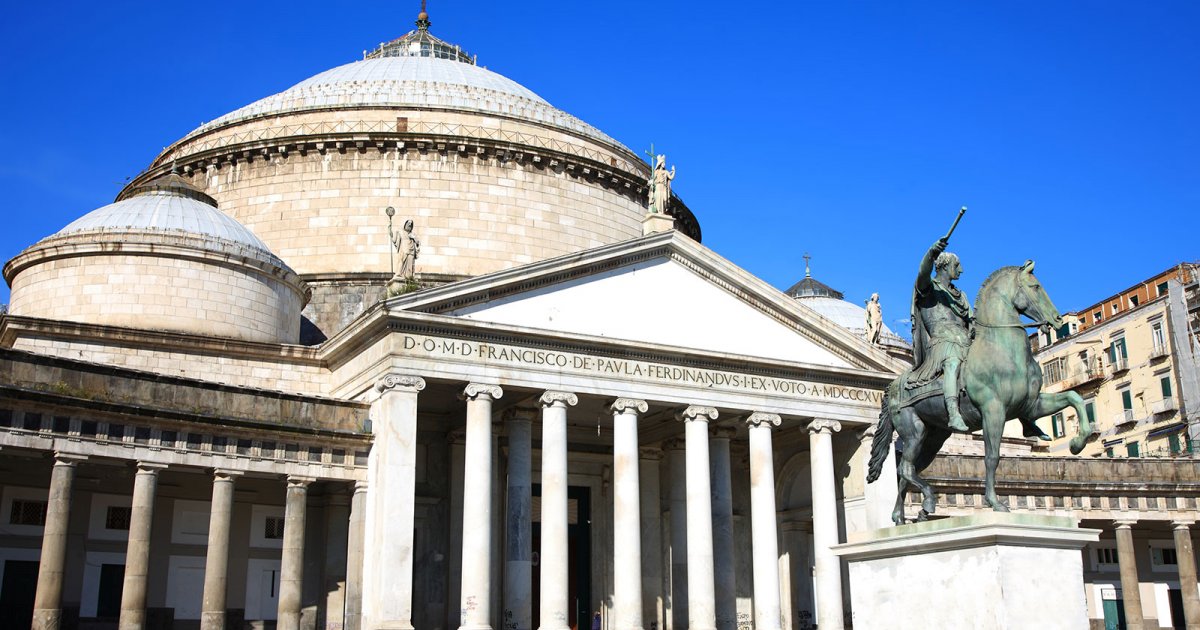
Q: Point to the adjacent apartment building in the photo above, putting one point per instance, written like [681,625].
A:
[1132,356]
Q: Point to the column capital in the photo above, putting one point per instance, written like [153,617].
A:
[674,444]
[226,474]
[762,419]
[867,434]
[1124,523]
[629,405]
[68,459]
[651,453]
[697,412]
[558,399]
[400,382]
[361,486]
[299,481]
[824,426]
[475,390]
[721,432]
[149,468]
[519,414]
[1185,523]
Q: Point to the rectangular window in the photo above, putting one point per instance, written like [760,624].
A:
[1098,316]
[27,513]
[1131,449]
[1173,443]
[1164,557]
[1133,301]
[1106,555]
[1161,289]
[1165,384]
[1053,372]
[273,528]
[1116,307]
[1064,331]
[1157,338]
[1056,425]
[118,517]
[1126,400]
[1108,452]
[1090,408]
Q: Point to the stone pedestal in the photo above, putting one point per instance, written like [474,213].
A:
[995,570]
[655,222]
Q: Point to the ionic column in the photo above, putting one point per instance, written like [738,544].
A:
[627,533]
[1186,557]
[393,496]
[1130,585]
[355,540]
[676,449]
[879,497]
[216,563]
[763,534]
[137,553]
[47,601]
[702,613]
[476,596]
[725,575]
[291,566]
[827,567]
[553,560]
[651,514]
[518,557]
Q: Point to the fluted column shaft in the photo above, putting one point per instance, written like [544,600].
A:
[1186,557]
[137,553]
[827,567]
[355,541]
[291,565]
[518,556]
[649,479]
[216,562]
[553,560]
[627,533]
[724,571]
[476,596]
[702,613]
[763,536]
[47,601]
[677,452]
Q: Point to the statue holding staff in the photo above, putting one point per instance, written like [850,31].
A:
[660,185]
[874,319]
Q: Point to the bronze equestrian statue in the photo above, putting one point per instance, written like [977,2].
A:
[974,370]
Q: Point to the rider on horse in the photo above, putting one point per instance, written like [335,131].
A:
[941,321]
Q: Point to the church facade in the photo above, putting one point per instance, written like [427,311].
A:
[213,416]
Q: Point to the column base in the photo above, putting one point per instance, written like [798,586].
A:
[47,619]
[987,568]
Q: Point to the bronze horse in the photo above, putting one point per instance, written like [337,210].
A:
[1001,380]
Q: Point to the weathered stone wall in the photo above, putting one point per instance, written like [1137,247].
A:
[322,210]
[159,293]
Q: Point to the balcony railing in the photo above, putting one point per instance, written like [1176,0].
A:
[1118,365]
[1159,350]
[1125,416]
[1166,405]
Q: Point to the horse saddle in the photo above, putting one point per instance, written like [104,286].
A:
[902,395]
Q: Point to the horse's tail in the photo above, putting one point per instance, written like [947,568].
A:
[881,443]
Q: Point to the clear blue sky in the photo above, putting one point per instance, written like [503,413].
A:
[850,130]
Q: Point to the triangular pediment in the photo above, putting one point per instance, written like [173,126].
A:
[662,289]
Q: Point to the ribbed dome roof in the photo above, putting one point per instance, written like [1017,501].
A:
[167,204]
[411,81]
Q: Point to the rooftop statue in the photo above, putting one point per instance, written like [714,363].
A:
[874,319]
[405,249]
[660,185]
[974,370]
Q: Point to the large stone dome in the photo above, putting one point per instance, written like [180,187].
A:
[163,258]
[491,174]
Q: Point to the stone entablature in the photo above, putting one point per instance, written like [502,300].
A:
[1086,488]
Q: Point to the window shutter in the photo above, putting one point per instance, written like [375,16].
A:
[1166,386]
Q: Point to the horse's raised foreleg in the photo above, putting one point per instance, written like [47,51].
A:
[1053,403]
[993,431]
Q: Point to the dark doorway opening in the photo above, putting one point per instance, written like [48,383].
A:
[17,592]
[579,560]
[108,600]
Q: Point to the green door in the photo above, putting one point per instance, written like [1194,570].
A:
[1114,615]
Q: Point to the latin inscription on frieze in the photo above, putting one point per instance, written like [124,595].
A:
[630,369]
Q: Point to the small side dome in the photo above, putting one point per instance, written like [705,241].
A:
[832,305]
[163,258]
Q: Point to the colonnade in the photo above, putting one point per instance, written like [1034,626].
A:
[701,488]
[47,614]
